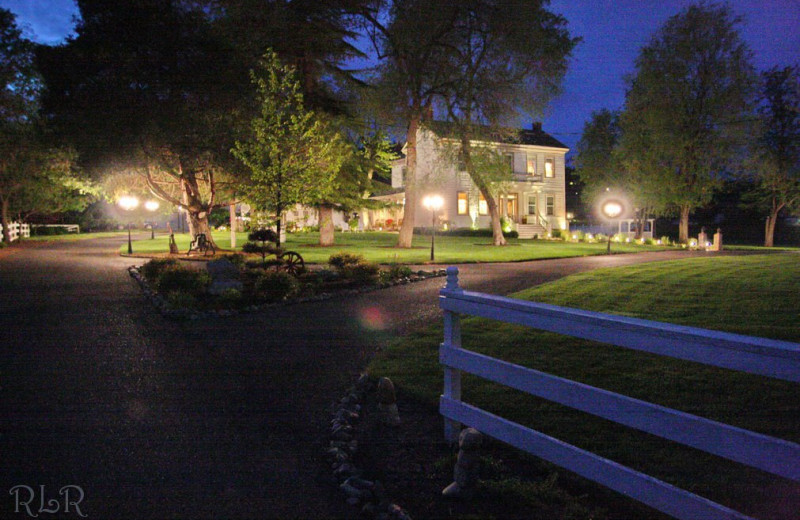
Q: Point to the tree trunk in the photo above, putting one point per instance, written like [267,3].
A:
[198,223]
[410,208]
[494,212]
[326,229]
[769,229]
[683,227]
[4,220]
[196,211]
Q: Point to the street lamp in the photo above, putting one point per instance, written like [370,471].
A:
[128,203]
[152,205]
[611,209]
[434,203]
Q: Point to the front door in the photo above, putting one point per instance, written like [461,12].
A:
[512,207]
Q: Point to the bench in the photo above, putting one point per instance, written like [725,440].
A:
[201,244]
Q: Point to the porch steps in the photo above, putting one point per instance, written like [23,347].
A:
[529,231]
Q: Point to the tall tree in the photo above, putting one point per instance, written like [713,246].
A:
[293,154]
[411,39]
[146,86]
[33,176]
[776,152]
[368,154]
[507,58]
[687,107]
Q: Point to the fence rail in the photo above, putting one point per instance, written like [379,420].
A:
[15,230]
[766,357]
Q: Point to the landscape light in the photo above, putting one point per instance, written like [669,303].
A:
[434,203]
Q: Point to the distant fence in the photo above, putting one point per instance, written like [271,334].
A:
[771,358]
[16,230]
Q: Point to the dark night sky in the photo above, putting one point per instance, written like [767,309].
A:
[613,31]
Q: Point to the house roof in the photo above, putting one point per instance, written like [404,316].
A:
[534,136]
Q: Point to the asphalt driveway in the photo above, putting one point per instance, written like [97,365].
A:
[217,419]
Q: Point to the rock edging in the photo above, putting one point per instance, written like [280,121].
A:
[342,448]
[160,303]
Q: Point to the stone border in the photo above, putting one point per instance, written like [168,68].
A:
[342,448]
[160,303]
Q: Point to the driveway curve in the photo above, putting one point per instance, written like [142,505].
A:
[209,419]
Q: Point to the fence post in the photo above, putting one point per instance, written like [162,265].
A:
[452,339]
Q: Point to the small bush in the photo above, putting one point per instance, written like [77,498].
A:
[236,259]
[275,286]
[343,259]
[395,272]
[177,278]
[181,300]
[556,233]
[154,267]
[649,241]
[230,298]
[362,273]
[262,235]
[665,241]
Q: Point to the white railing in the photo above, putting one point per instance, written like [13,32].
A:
[766,357]
[15,229]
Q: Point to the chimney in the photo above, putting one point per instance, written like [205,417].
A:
[536,126]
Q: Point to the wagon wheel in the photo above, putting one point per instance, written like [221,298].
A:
[292,262]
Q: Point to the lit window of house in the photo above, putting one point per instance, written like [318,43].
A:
[550,205]
[483,208]
[549,168]
[532,165]
[463,203]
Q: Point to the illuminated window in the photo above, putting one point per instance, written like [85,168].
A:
[483,208]
[463,203]
[550,205]
[532,165]
[549,168]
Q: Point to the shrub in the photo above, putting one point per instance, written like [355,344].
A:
[230,298]
[342,259]
[262,235]
[362,272]
[649,241]
[556,233]
[665,241]
[154,267]
[395,272]
[177,278]
[181,300]
[236,259]
[274,286]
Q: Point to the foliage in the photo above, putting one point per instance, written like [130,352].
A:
[395,272]
[354,268]
[686,108]
[259,242]
[274,286]
[152,269]
[149,91]
[182,300]
[182,279]
[293,154]
[776,151]
[34,176]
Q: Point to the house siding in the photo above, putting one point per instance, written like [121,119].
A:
[437,175]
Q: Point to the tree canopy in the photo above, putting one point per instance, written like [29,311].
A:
[687,108]
[292,153]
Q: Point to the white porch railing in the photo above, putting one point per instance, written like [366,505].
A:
[766,357]
[15,229]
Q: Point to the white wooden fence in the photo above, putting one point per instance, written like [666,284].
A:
[766,357]
[16,230]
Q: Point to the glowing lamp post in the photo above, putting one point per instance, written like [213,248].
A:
[611,209]
[129,203]
[434,203]
[152,205]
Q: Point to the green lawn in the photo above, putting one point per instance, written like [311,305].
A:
[380,247]
[755,295]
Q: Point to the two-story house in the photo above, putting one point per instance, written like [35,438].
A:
[533,201]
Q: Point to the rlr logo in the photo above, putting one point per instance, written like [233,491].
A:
[25,501]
